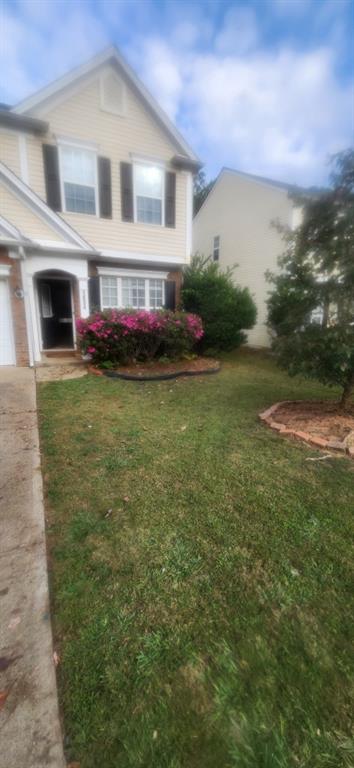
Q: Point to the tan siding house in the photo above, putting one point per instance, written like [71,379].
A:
[239,211]
[96,190]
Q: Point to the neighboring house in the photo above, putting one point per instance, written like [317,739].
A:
[96,195]
[234,226]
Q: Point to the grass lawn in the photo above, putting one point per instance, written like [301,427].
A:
[200,572]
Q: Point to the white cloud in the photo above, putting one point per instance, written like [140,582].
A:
[277,112]
[239,32]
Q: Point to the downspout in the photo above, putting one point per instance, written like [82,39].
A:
[28,315]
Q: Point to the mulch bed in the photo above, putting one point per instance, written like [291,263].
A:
[319,423]
[159,370]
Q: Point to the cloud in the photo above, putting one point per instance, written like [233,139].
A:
[239,33]
[278,114]
[276,107]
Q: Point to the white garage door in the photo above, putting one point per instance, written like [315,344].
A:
[7,352]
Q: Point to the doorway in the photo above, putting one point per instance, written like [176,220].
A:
[56,314]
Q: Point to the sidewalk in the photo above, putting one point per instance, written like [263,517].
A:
[30,735]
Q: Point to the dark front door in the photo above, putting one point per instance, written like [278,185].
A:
[56,313]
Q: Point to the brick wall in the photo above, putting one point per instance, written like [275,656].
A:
[18,308]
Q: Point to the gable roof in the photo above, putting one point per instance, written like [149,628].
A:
[282,185]
[33,201]
[110,56]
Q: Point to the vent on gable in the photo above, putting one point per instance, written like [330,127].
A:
[112,94]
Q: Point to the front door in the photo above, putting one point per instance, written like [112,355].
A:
[56,315]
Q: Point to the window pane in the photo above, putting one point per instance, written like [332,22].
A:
[148,181]
[149,210]
[78,165]
[109,292]
[79,199]
[133,292]
[155,294]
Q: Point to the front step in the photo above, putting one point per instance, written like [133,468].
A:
[69,358]
[60,353]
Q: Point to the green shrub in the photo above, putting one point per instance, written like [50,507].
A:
[226,309]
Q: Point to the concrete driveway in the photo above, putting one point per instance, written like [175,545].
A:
[30,734]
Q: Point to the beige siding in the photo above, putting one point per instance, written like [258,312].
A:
[9,151]
[19,214]
[137,133]
[240,211]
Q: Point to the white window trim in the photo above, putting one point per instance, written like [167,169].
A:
[86,148]
[153,164]
[120,273]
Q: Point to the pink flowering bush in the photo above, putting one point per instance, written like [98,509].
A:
[120,336]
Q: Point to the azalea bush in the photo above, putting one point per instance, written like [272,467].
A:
[121,336]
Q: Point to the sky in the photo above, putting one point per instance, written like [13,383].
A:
[264,86]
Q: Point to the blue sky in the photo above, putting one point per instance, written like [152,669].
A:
[265,86]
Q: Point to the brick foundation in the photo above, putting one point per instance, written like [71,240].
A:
[17,308]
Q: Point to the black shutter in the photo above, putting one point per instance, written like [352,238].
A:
[126,189]
[170,294]
[51,173]
[94,294]
[105,187]
[170,199]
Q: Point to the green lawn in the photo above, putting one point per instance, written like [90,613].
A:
[200,572]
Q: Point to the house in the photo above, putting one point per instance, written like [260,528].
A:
[96,194]
[234,226]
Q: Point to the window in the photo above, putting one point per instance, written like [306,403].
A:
[148,193]
[109,292]
[133,292]
[46,300]
[155,294]
[216,248]
[79,179]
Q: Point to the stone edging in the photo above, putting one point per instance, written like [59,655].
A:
[319,442]
[158,377]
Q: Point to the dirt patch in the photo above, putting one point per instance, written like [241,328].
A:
[319,423]
[156,369]
[318,418]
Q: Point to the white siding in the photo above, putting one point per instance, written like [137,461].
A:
[240,210]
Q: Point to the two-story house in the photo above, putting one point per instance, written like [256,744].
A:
[96,196]
[235,226]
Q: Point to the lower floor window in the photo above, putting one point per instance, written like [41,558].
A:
[133,292]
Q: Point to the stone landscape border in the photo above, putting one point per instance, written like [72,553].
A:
[157,377]
[268,417]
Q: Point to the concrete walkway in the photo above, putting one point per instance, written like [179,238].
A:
[30,735]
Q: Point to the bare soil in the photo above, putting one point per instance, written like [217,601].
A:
[321,418]
[157,368]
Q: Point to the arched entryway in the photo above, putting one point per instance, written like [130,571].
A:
[56,300]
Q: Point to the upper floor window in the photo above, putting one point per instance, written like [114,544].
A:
[148,194]
[78,169]
[216,248]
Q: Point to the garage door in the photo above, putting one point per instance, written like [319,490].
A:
[7,352]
